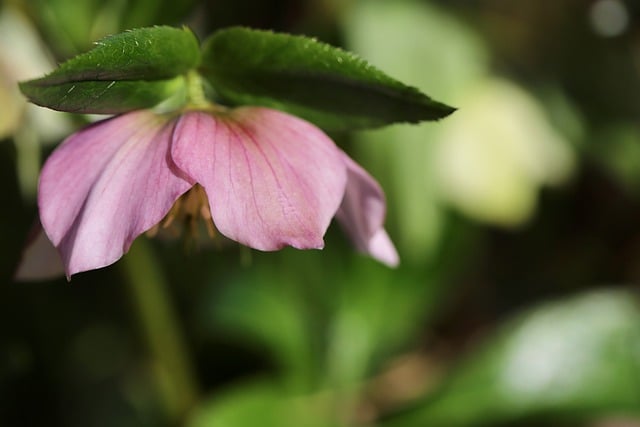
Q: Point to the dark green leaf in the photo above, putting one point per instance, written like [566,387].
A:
[331,87]
[100,97]
[142,54]
[123,72]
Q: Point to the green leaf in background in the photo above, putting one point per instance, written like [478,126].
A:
[241,311]
[375,312]
[101,97]
[326,85]
[577,358]
[247,405]
[263,403]
[123,72]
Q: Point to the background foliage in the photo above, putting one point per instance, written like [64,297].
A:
[517,220]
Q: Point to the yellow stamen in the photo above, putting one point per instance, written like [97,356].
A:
[185,216]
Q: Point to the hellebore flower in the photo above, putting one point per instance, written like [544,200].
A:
[264,178]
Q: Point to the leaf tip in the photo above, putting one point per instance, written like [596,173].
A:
[446,110]
[25,87]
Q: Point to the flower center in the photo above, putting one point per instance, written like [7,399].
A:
[190,215]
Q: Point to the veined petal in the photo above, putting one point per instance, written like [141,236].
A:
[107,184]
[362,213]
[272,179]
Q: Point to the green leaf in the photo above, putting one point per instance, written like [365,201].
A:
[101,97]
[245,405]
[261,402]
[151,53]
[577,358]
[134,69]
[324,84]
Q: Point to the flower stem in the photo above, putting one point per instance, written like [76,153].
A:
[195,90]
[157,320]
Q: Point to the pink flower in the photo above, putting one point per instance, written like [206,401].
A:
[271,180]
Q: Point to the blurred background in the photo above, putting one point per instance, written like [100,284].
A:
[517,220]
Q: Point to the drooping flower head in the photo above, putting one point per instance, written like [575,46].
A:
[259,176]
[271,180]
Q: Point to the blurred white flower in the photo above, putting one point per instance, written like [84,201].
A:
[22,57]
[496,152]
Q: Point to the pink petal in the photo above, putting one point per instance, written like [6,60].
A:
[107,184]
[40,259]
[362,215]
[272,179]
